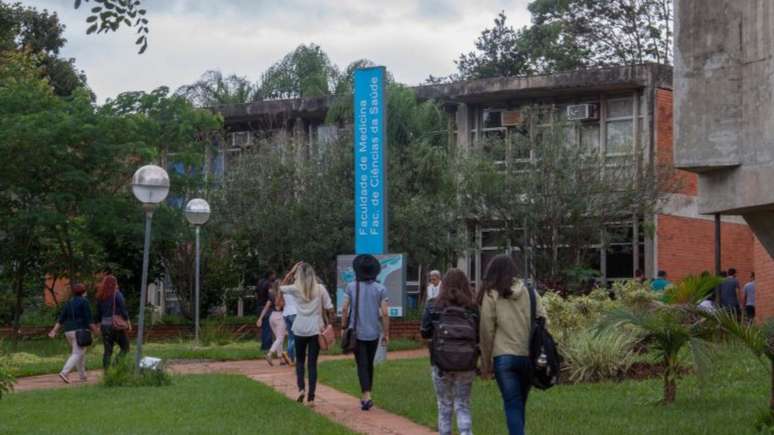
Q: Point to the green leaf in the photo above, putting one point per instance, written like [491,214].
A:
[91,29]
[96,10]
[91,19]
[77,4]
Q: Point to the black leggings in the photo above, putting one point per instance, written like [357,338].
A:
[364,357]
[111,337]
[302,343]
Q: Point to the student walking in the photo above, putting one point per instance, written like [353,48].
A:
[74,318]
[434,286]
[312,304]
[748,296]
[289,315]
[261,297]
[365,304]
[451,322]
[112,319]
[730,294]
[274,306]
[505,333]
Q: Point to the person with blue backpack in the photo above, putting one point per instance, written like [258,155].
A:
[450,321]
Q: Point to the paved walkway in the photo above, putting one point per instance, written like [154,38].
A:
[331,403]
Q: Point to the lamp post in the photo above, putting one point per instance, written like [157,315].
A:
[197,211]
[150,185]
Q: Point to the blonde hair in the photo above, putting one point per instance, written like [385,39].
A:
[306,280]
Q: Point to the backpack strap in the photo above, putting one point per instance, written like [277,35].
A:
[532,308]
[356,302]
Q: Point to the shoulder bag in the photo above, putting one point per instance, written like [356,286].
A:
[327,336]
[118,322]
[349,339]
[82,336]
[544,357]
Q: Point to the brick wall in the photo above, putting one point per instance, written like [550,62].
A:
[687,246]
[682,181]
[764,282]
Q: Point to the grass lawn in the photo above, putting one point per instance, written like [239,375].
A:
[201,404]
[42,356]
[735,392]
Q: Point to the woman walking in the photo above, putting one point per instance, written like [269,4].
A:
[75,316]
[365,310]
[505,333]
[451,321]
[274,306]
[312,306]
[113,319]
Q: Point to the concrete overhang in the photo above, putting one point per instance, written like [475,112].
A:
[311,107]
[590,81]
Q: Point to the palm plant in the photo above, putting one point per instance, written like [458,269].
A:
[758,338]
[669,326]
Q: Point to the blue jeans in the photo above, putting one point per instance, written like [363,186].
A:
[291,338]
[512,375]
[266,335]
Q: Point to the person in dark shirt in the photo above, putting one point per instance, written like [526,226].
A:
[261,298]
[729,293]
[75,315]
[111,302]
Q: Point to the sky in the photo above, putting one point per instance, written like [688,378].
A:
[413,39]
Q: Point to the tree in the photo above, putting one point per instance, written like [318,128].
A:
[613,32]
[668,327]
[500,52]
[572,34]
[111,15]
[214,89]
[40,33]
[553,193]
[177,136]
[305,72]
[64,162]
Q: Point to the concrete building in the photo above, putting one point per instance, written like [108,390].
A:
[724,117]
[624,112]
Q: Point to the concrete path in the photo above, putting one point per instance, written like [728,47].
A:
[331,403]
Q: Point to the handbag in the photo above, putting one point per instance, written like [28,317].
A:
[349,338]
[118,322]
[82,336]
[327,336]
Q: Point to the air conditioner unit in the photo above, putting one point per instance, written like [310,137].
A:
[582,112]
[511,118]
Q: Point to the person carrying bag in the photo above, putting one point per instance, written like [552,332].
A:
[76,320]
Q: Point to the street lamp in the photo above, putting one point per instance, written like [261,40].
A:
[197,211]
[150,185]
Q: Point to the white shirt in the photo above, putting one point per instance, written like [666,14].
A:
[432,291]
[309,320]
[290,305]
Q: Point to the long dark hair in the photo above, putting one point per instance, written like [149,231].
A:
[455,290]
[499,276]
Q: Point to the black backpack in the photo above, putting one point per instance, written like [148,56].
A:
[543,353]
[454,345]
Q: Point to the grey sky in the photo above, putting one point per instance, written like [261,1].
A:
[187,37]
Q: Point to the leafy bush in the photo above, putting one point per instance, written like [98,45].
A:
[633,294]
[123,374]
[6,379]
[215,333]
[591,357]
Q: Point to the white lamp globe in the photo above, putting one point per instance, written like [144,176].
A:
[197,211]
[150,184]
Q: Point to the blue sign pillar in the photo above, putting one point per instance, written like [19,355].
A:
[370,162]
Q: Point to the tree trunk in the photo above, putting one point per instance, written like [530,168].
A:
[18,309]
[670,381]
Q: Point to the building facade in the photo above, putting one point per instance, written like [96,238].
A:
[625,113]
[724,119]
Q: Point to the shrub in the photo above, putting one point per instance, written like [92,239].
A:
[594,357]
[6,379]
[123,374]
[215,333]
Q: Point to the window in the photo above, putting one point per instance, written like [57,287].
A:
[493,119]
[620,126]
